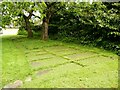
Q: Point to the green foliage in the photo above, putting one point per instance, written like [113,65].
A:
[37,28]
[95,24]
[86,23]
[5,10]
[13,12]
[22,32]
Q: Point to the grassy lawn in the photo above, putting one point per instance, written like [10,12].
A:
[54,64]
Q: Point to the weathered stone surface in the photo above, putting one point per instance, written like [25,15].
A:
[80,56]
[56,48]
[28,79]
[16,84]
[49,63]
[36,64]
[66,52]
[40,57]
[39,73]
[8,85]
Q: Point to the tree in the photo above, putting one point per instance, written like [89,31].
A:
[27,17]
[18,10]
[50,9]
[5,12]
[47,12]
[25,11]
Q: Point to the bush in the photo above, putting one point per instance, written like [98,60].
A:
[22,32]
[37,28]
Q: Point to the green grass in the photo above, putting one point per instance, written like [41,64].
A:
[54,64]
[0,62]
[14,63]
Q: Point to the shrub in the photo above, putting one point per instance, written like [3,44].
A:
[22,32]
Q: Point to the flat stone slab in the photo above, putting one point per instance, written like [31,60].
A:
[36,53]
[41,57]
[16,84]
[40,53]
[65,69]
[95,60]
[48,63]
[56,48]
[39,73]
[67,52]
[80,56]
[32,51]
[28,79]
[35,64]
[37,50]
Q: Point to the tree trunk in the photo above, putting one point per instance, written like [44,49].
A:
[45,25]
[28,27]
[45,29]
[30,33]
[46,19]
